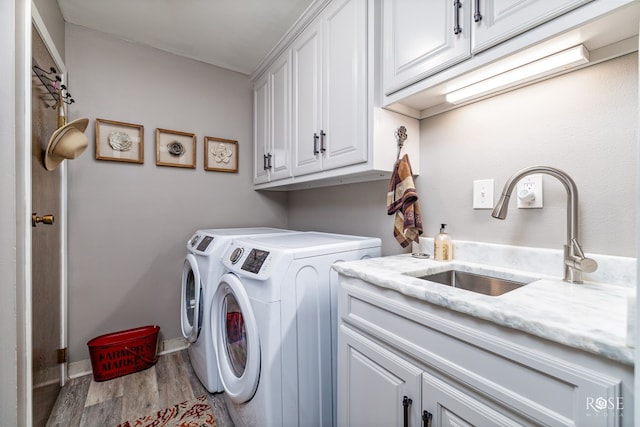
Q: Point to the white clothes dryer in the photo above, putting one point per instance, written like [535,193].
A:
[201,272]
[275,322]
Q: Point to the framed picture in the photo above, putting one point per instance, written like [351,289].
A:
[220,154]
[120,142]
[176,149]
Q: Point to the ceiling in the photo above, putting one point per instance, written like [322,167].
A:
[233,34]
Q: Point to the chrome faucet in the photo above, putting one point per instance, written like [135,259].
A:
[574,260]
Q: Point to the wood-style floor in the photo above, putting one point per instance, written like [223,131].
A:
[86,403]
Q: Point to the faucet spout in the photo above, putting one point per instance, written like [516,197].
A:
[574,260]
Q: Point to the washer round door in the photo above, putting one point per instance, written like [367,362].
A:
[235,332]
[191,300]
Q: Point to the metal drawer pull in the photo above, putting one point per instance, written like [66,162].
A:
[477,16]
[322,147]
[426,418]
[406,402]
[457,29]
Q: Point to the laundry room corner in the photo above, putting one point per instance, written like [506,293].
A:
[129,223]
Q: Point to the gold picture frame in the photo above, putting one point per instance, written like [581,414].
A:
[119,141]
[220,154]
[177,149]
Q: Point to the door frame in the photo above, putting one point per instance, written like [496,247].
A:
[23,216]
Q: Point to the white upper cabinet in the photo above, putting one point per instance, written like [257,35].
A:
[316,121]
[261,113]
[499,20]
[306,116]
[432,47]
[422,37]
[329,90]
[272,130]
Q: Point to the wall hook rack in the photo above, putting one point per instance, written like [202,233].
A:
[52,81]
[401,137]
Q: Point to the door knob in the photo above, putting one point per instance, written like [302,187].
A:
[45,219]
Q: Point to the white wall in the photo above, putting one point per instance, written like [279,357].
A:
[129,223]
[584,123]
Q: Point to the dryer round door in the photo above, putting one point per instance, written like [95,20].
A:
[235,332]
[191,299]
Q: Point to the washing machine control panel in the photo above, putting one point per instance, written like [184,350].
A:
[255,259]
[199,243]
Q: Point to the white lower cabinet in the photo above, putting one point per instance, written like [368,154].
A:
[376,383]
[415,364]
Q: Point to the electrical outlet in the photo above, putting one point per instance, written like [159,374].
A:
[529,192]
[483,194]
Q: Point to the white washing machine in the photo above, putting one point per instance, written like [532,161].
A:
[201,272]
[275,323]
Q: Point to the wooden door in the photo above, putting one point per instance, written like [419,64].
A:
[46,246]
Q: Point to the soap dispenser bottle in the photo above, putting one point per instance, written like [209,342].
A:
[442,246]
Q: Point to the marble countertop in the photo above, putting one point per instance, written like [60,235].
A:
[589,316]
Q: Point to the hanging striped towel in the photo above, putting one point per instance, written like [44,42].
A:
[402,200]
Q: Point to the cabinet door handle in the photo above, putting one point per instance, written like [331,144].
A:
[322,147]
[315,144]
[457,29]
[264,162]
[477,16]
[426,418]
[406,403]
[269,165]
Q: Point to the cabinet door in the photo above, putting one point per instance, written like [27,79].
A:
[454,407]
[344,89]
[504,19]
[260,129]
[306,107]
[422,37]
[280,135]
[373,383]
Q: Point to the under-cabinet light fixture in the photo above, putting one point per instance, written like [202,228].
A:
[543,67]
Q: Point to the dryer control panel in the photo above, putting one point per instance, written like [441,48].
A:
[255,259]
[251,261]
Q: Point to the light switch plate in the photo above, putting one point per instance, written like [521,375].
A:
[483,194]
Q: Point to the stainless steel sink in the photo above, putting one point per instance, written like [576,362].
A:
[473,282]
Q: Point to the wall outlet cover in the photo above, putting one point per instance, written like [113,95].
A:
[529,192]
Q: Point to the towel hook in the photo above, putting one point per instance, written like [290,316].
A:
[401,137]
